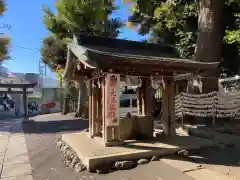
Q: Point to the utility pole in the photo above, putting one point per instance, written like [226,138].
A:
[42,74]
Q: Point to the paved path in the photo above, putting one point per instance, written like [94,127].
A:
[14,160]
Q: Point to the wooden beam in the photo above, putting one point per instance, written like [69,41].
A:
[177,63]
[148,67]
[135,69]
[142,70]
[82,73]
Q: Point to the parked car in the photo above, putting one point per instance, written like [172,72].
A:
[128,104]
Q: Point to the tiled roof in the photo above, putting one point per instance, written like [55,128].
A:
[98,52]
[126,46]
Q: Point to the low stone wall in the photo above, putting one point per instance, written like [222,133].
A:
[72,160]
[126,128]
[145,126]
[108,165]
[70,157]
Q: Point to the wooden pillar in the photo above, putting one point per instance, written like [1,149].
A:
[90,107]
[142,96]
[103,107]
[139,101]
[98,108]
[168,106]
[146,95]
[107,130]
[94,110]
[25,102]
[148,104]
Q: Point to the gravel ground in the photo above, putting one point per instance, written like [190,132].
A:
[46,159]
[225,161]
[222,160]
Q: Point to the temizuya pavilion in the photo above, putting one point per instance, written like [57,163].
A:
[103,60]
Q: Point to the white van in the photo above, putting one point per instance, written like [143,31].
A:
[128,104]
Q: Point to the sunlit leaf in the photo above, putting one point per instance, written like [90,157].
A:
[75,16]
[2,7]
[127,1]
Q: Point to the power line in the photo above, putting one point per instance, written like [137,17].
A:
[27,48]
[6,26]
[42,68]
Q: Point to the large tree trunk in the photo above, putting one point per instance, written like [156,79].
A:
[81,98]
[61,94]
[65,109]
[210,39]
[66,97]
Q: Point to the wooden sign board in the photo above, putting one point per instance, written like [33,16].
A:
[112,99]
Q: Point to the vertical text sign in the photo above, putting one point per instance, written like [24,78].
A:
[112,99]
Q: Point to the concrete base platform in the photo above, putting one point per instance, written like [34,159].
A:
[93,153]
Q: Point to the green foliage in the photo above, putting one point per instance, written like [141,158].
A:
[76,16]
[4,48]
[233,36]
[4,40]
[176,22]
[54,24]
[53,52]
[172,22]
[2,7]
[89,17]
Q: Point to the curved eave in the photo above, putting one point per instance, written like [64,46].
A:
[80,53]
[156,61]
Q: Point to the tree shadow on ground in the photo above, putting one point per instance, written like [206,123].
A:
[210,154]
[55,126]
[52,124]
[228,156]
[224,157]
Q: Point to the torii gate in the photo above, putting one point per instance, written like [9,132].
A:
[18,89]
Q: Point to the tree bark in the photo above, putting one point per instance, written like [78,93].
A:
[81,98]
[210,39]
[61,94]
[65,109]
[66,97]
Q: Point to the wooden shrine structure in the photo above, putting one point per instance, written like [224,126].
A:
[102,61]
[23,89]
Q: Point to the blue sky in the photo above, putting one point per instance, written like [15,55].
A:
[28,31]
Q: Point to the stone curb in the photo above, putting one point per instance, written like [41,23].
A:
[72,160]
